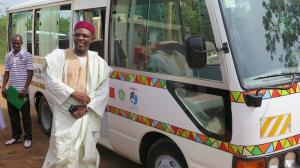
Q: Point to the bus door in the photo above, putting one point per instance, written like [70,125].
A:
[154,39]
[94,12]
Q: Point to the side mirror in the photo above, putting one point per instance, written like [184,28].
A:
[195,56]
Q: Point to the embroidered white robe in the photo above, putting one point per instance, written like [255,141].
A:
[73,141]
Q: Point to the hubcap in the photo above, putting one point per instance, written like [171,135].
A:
[166,161]
[46,116]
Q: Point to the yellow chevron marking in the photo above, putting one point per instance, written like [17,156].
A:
[286,125]
[276,125]
[265,126]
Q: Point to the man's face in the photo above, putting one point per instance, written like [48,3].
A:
[16,44]
[82,39]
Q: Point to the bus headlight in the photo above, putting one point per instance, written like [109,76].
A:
[274,162]
[290,160]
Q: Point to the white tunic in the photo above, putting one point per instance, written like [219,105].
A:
[73,141]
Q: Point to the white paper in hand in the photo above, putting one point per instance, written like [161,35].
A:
[2,121]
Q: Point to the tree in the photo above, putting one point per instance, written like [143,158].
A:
[2,40]
[195,17]
[282,25]
[64,24]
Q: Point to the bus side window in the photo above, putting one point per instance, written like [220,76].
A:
[180,23]
[52,29]
[208,108]
[155,36]
[21,23]
[96,16]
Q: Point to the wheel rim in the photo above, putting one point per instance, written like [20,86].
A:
[166,161]
[46,116]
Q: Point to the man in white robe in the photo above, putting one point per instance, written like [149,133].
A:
[76,77]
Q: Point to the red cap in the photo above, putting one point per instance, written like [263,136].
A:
[85,25]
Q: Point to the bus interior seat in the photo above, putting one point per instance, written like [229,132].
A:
[98,47]
[169,47]
[119,54]
[208,72]
[168,58]
[208,109]
[63,43]
[212,71]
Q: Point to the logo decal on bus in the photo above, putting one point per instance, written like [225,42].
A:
[112,92]
[133,98]
[121,94]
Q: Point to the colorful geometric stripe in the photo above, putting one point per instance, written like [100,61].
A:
[275,126]
[235,96]
[238,97]
[154,82]
[238,150]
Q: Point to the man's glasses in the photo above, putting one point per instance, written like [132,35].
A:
[16,43]
[77,35]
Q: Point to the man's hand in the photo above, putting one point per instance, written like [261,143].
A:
[81,97]
[80,112]
[4,94]
[22,94]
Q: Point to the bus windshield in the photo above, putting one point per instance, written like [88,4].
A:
[265,39]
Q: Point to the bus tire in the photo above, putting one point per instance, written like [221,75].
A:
[45,115]
[165,154]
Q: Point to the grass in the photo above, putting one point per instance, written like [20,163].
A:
[3,42]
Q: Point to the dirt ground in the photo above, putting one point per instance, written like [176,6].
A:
[16,156]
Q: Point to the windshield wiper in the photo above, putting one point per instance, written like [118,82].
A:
[275,75]
[255,100]
[293,74]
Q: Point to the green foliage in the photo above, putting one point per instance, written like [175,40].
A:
[64,25]
[2,38]
[196,19]
[282,24]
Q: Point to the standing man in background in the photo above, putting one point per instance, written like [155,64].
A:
[76,81]
[18,72]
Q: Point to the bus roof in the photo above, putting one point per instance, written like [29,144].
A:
[30,3]
[78,4]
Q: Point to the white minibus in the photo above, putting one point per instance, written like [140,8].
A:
[195,83]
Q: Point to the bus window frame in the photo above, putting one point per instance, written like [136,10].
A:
[222,84]
[102,12]
[37,7]
[35,27]
[9,27]
[9,30]
[213,91]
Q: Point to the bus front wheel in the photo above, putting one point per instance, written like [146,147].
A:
[165,154]
[45,115]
